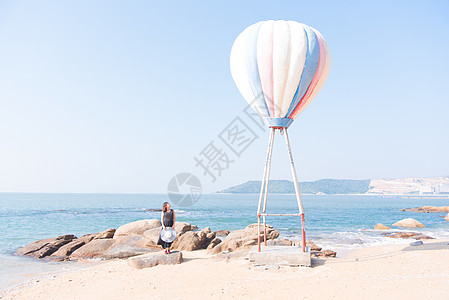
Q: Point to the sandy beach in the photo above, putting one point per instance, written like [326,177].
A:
[380,272]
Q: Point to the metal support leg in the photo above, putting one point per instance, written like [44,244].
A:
[266,187]
[298,194]
[264,184]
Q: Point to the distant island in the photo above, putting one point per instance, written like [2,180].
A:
[404,186]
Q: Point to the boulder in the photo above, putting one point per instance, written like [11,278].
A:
[181,227]
[107,234]
[45,247]
[94,249]
[128,246]
[409,222]
[152,235]
[214,243]
[137,227]
[222,232]
[380,226]
[63,252]
[446,218]
[279,242]
[154,259]
[323,254]
[243,238]
[312,245]
[188,241]
[205,236]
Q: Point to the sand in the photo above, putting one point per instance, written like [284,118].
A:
[381,272]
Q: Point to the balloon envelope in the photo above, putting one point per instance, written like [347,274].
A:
[279,67]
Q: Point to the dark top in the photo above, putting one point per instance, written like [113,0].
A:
[168,218]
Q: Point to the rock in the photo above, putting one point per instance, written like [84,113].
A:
[188,241]
[128,246]
[152,235]
[63,252]
[324,254]
[446,218]
[222,232]
[154,259]
[243,238]
[193,240]
[194,227]
[181,227]
[107,234]
[137,227]
[429,209]
[417,243]
[310,244]
[94,249]
[214,243]
[409,222]
[45,247]
[279,242]
[380,226]
[152,209]
[407,235]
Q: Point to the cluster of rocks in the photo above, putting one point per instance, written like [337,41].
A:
[430,209]
[406,235]
[131,239]
[140,238]
[408,223]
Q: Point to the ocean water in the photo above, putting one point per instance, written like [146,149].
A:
[333,221]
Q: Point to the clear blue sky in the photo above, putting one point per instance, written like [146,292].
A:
[119,96]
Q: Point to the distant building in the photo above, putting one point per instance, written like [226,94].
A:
[442,189]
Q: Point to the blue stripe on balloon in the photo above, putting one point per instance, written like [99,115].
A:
[253,70]
[310,68]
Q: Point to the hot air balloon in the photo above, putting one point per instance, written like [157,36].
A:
[279,67]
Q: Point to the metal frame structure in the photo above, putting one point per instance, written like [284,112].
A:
[264,190]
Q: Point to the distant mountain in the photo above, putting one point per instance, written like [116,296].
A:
[326,186]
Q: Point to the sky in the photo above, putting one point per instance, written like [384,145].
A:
[120,96]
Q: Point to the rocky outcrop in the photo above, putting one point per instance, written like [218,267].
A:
[107,234]
[194,240]
[214,243]
[137,227]
[409,222]
[182,227]
[222,232]
[94,249]
[154,259]
[128,246]
[407,235]
[428,209]
[380,226]
[243,238]
[45,247]
[66,250]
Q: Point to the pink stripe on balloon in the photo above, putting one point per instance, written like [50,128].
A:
[265,64]
[316,77]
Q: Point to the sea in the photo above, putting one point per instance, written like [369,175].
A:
[332,221]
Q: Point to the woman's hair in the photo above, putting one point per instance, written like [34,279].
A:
[164,206]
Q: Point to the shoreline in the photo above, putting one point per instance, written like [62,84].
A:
[374,271]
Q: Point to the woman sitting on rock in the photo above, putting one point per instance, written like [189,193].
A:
[168,221]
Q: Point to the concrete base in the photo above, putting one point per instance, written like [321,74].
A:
[280,255]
